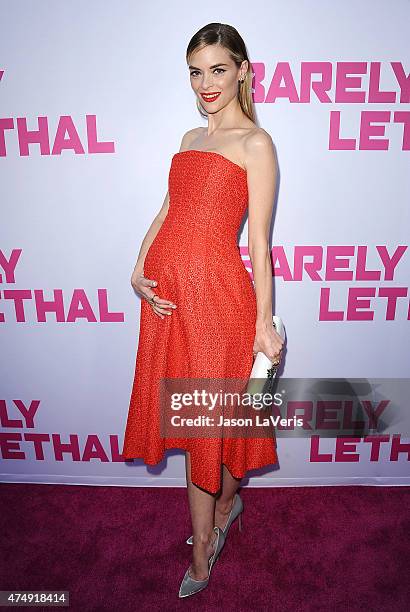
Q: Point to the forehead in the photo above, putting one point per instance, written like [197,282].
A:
[209,56]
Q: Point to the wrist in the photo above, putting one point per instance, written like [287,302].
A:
[263,323]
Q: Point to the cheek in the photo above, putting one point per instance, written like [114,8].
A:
[226,83]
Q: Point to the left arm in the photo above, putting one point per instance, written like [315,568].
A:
[261,170]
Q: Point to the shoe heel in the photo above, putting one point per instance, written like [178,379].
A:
[240,521]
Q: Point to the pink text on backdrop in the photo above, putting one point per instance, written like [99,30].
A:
[41,136]
[79,306]
[343,263]
[320,78]
[346,450]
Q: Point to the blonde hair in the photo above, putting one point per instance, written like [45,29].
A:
[229,38]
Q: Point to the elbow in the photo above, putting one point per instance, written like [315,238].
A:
[259,248]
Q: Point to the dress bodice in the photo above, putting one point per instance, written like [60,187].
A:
[207,191]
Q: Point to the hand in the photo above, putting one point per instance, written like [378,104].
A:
[269,342]
[141,285]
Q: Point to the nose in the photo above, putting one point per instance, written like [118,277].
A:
[206,81]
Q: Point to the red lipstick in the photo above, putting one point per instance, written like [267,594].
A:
[210,96]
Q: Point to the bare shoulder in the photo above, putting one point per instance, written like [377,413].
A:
[258,146]
[189,137]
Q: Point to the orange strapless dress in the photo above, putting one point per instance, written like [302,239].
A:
[196,261]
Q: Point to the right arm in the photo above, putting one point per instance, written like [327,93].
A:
[148,240]
[139,283]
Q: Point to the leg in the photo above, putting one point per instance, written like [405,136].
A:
[224,502]
[202,508]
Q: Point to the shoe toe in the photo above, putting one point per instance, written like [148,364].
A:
[189,586]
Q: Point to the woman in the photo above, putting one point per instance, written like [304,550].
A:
[206,319]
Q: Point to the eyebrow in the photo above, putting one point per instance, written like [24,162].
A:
[211,67]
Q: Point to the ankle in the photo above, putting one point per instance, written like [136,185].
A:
[203,539]
[224,506]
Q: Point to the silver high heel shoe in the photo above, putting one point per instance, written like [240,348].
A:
[189,586]
[236,510]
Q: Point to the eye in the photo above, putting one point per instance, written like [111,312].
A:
[217,70]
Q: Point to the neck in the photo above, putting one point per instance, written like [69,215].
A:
[227,118]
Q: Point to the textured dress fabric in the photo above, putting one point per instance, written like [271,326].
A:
[195,259]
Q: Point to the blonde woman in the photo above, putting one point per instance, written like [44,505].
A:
[200,314]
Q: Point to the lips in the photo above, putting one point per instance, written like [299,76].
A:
[211,96]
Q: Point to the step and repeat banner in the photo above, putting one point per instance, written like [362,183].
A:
[94,100]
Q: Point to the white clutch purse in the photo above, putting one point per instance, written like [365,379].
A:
[263,371]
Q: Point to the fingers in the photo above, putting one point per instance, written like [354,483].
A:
[161,310]
[139,281]
[148,282]
[276,355]
[160,306]
[162,302]
[272,347]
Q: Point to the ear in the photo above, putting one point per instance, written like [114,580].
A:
[245,65]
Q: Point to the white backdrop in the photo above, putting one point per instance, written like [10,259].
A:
[74,212]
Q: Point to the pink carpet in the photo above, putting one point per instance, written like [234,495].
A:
[119,548]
